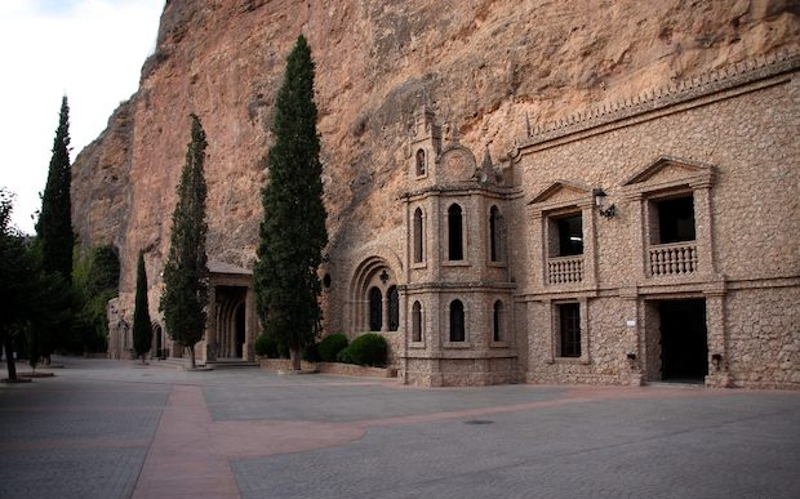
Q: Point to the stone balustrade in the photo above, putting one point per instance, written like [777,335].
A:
[565,269]
[673,259]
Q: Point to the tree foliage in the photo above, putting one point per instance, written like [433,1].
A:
[185,294]
[95,282]
[16,268]
[142,328]
[54,227]
[292,233]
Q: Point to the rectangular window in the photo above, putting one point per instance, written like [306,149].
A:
[569,319]
[570,235]
[675,220]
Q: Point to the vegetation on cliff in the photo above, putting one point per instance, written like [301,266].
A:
[292,233]
[186,272]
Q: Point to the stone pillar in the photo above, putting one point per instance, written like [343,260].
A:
[704,235]
[536,254]
[385,311]
[210,353]
[433,236]
[589,216]
[250,325]
[635,353]
[718,374]
[638,219]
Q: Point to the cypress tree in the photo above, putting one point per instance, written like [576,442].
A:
[292,233]
[54,227]
[185,294]
[142,330]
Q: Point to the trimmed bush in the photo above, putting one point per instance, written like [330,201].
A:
[330,347]
[369,349]
[283,351]
[311,353]
[344,357]
[266,346]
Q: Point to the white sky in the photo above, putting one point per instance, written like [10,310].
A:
[90,50]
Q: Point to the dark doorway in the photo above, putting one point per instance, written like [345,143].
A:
[240,330]
[684,340]
[159,347]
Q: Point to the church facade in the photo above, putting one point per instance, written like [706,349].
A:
[649,240]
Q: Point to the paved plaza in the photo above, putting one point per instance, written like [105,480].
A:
[112,429]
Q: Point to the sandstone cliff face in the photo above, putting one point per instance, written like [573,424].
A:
[484,65]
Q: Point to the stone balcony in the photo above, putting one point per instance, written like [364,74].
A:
[565,269]
[675,259]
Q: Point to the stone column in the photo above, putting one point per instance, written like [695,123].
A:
[385,311]
[638,220]
[718,374]
[250,324]
[211,325]
[589,215]
[536,253]
[634,355]
[704,235]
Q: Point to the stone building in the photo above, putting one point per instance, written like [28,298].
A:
[646,240]
[653,239]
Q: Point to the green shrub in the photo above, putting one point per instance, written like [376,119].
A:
[330,347]
[311,353]
[344,356]
[266,346]
[369,349]
[283,351]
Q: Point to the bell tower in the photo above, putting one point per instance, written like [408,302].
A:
[426,144]
[458,297]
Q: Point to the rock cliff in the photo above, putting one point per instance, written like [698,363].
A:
[486,66]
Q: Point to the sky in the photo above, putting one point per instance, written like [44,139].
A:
[89,50]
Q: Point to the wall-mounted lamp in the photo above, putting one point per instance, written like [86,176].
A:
[599,198]
[716,360]
[631,360]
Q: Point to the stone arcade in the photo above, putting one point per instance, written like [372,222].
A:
[648,240]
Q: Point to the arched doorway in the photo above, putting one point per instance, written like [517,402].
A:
[230,321]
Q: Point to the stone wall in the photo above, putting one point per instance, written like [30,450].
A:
[731,148]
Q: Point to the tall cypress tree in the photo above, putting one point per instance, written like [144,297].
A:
[142,330]
[54,227]
[185,294]
[293,233]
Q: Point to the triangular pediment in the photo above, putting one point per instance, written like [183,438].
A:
[668,169]
[562,191]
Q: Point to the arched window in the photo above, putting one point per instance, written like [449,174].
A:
[496,234]
[498,321]
[418,236]
[416,322]
[394,309]
[455,233]
[375,309]
[457,321]
[420,162]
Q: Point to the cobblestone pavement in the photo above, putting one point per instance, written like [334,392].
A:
[112,429]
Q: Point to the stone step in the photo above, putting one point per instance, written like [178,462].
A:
[231,363]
